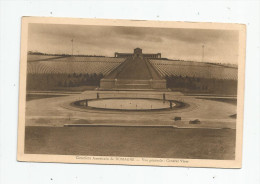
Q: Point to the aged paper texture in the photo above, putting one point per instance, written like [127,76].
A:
[131,92]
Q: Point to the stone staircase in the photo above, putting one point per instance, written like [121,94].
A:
[132,84]
[133,74]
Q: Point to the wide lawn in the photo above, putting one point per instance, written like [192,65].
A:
[132,142]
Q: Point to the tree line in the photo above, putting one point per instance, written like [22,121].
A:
[178,83]
[204,85]
[51,81]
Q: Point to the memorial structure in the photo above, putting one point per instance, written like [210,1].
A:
[136,72]
[137,53]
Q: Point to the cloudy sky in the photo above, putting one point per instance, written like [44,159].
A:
[173,43]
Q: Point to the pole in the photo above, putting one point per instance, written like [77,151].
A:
[72,47]
[203,53]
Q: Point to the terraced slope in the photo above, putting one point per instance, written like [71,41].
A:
[131,69]
[134,69]
[67,65]
[194,69]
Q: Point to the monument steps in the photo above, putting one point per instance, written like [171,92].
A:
[136,72]
[133,86]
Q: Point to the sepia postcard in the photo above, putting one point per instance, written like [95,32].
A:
[131,92]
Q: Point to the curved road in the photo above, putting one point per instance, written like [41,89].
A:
[57,111]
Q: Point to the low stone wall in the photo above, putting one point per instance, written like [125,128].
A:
[158,84]
[107,84]
[130,84]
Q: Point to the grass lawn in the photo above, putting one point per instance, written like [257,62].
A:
[132,141]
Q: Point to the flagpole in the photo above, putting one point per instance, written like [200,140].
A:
[203,53]
[72,47]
